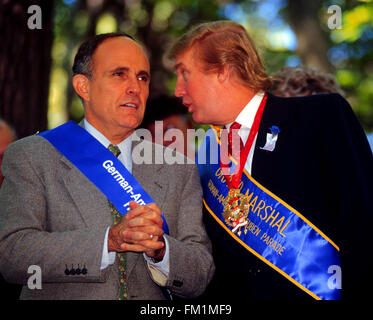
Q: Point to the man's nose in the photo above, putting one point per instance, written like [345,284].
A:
[179,88]
[133,87]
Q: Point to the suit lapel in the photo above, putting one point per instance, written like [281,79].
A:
[90,201]
[275,113]
[151,177]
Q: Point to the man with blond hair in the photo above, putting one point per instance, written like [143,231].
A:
[289,212]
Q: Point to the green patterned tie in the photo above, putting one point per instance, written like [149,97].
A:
[121,255]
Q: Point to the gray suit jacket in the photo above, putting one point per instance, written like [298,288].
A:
[52,216]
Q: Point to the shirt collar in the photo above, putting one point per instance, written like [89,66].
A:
[246,117]
[125,146]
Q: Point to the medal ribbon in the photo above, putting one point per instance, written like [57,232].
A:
[234,180]
[277,234]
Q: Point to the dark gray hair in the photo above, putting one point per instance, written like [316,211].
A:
[83,58]
[303,81]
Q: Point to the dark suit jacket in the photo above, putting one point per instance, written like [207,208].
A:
[52,216]
[323,167]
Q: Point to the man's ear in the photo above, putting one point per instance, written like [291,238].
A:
[81,86]
[224,74]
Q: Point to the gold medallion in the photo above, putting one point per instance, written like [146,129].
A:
[236,210]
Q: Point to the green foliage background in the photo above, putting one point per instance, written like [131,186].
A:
[156,23]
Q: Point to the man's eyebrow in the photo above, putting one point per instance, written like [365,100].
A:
[178,66]
[144,73]
[119,69]
[126,69]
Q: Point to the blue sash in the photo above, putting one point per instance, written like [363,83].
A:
[275,232]
[99,165]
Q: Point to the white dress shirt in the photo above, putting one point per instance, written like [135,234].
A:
[125,148]
[246,120]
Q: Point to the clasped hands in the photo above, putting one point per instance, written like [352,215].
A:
[139,230]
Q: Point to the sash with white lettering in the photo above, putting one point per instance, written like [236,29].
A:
[99,165]
[274,232]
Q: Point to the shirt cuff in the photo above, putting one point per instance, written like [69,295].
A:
[163,265]
[107,258]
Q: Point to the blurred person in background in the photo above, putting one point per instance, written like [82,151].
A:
[7,136]
[306,81]
[173,115]
[303,81]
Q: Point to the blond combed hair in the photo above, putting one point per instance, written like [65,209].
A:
[225,43]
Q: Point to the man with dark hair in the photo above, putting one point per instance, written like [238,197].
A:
[83,59]
[79,206]
[289,213]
